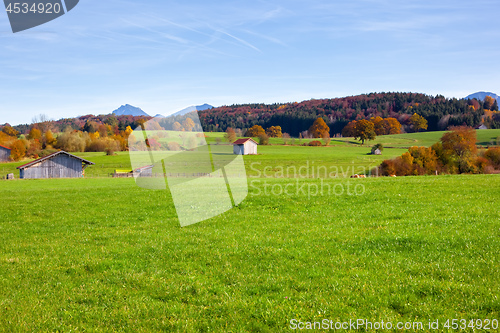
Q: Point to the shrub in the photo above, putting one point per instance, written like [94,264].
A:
[315,143]
[174,146]
[286,138]
[493,157]
[263,139]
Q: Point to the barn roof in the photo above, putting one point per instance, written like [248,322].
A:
[5,147]
[54,155]
[242,141]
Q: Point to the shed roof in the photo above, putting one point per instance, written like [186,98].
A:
[5,147]
[51,156]
[243,141]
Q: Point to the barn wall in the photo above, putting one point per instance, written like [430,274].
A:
[4,155]
[250,148]
[60,166]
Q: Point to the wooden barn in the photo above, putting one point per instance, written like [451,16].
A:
[245,147]
[4,154]
[57,165]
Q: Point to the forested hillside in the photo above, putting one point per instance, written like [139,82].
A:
[294,118]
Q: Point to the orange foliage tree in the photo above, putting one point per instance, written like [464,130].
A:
[255,131]
[392,126]
[319,128]
[350,129]
[379,125]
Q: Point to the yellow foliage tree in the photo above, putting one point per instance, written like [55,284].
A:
[418,122]
[18,150]
[188,124]
[274,132]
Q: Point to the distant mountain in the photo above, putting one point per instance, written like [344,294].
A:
[480,96]
[193,108]
[159,116]
[129,110]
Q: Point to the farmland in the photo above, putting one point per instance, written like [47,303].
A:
[100,254]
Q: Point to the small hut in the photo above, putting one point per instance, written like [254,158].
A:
[246,146]
[57,165]
[4,154]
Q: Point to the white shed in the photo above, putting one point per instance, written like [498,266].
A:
[246,146]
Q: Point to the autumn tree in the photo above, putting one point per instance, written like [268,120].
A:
[177,126]
[392,126]
[18,150]
[255,131]
[379,125]
[461,141]
[460,145]
[10,131]
[418,122]
[230,135]
[488,103]
[188,124]
[318,128]
[350,129]
[35,134]
[49,138]
[274,132]
[424,160]
[364,131]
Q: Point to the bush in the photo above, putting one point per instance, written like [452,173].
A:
[263,139]
[493,157]
[174,146]
[315,143]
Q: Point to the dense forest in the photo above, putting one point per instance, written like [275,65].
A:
[294,118]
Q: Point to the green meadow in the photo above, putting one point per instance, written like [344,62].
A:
[102,255]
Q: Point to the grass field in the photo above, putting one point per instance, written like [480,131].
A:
[104,255]
[101,254]
[343,153]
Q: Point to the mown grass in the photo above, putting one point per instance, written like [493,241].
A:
[105,255]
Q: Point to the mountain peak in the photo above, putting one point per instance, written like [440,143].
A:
[193,108]
[129,110]
[481,95]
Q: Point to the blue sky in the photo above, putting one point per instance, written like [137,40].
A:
[165,55]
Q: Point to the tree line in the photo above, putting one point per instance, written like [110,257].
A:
[439,112]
